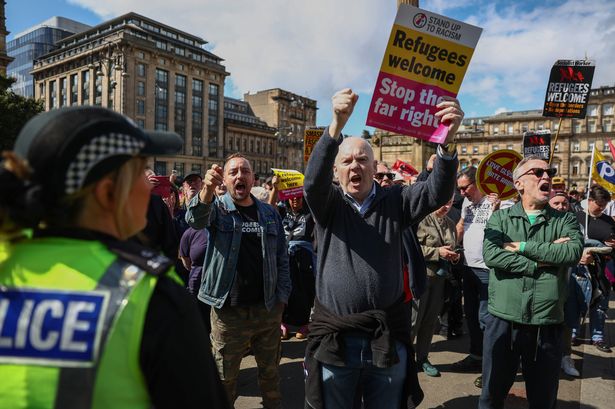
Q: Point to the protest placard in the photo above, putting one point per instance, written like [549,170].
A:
[537,143]
[290,183]
[310,137]
[494,173]
[426,58]
[568,89]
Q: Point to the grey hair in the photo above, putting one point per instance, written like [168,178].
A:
[517,170]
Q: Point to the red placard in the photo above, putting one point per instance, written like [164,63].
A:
[494,174]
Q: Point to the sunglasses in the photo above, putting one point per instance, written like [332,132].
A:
[381,175]
[538,172]
[464,188]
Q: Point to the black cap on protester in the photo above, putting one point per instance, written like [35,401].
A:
[68,148]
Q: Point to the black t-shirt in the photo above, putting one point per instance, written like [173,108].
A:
[600,228]
[248,287]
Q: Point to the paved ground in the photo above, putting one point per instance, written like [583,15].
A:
[594,390]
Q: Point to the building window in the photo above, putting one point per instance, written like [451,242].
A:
[141,88]
[160,168]
[510,129]
[140,123]
[605,147]
[85,87]
[591,146]
[53,97]
[180,81]
[98,84]
[592,110]
[140,54]
[607,125]
[475,149]
[591,126]
[141,69]
[576,126]
[464,149]
[213,89]
[197,146]
[63,92]
[556,149]
[509,146]
[496,130]
[162,100]
[140,107]
[525,127]
[197,168]
[197,86]
[74,89]
[576,147]
[540,126]
[495,148]
[607,109]
[179,167]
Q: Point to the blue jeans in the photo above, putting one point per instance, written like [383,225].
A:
[343,387]
[597,316]
[475,298]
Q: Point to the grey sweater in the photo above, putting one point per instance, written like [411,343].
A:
[359,257]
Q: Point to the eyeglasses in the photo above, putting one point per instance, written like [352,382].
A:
[538,172]
[381,175]
[464,188]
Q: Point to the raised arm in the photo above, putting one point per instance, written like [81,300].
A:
[198,210]
[319,193]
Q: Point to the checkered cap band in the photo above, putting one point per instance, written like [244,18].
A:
[98,149]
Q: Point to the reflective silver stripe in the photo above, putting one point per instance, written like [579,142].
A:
[76,385]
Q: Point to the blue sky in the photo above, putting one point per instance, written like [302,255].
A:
[316,47]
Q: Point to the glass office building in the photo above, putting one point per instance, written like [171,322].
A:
[36,41]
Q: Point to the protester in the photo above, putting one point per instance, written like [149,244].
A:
[246,276]
[359,345]
[299,229]
[414,272]
[528,249]
[559,201]
[107,324]
[602,228]
[475,211]
[437,236]
[558,184]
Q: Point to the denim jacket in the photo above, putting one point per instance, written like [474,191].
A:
[223,222]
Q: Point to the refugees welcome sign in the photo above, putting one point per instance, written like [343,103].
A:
[426,57]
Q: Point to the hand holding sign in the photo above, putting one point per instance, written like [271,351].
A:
[343,104]
[450,114]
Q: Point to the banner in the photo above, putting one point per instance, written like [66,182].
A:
[310,137]
[603,172]
[537,143]
[494,173]
[568,90]
[290,183]
[405,169]
[426,58]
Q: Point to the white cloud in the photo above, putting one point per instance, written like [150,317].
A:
[519,47]
[500,110]
[316,47]
[310,47]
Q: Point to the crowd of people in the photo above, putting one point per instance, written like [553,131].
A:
[120,287]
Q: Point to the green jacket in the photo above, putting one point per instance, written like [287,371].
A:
[520,290]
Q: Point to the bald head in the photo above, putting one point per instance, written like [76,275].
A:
[354,143]
[355,168]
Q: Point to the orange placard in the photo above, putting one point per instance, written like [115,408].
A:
[494,173]
[310,137]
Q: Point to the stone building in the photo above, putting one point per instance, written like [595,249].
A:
[572,152]
[160,76]
[246,133]
[290,114]
[4,58]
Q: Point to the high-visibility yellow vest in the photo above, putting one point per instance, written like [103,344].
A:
[71,322]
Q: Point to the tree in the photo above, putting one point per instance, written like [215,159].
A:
[15,111]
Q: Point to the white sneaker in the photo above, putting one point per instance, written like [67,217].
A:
[568,366]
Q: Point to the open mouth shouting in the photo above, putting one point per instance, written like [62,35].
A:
[544,186]
[355,181]
[240,189]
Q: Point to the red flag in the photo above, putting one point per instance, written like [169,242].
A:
[404,168]
[612,148]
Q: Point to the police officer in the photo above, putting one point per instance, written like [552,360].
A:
[88,320]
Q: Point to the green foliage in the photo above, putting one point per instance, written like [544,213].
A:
[15,111]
